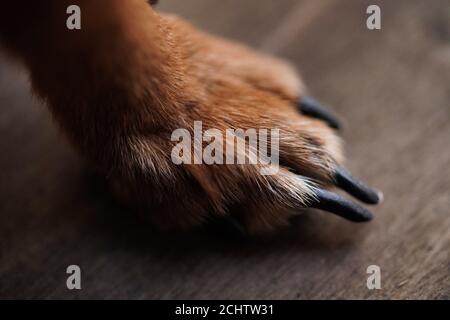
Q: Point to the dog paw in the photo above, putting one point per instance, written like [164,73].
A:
[138,78]
[235,87]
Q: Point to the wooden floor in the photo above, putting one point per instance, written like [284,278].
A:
[391,87]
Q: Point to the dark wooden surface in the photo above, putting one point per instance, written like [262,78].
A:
[390,86]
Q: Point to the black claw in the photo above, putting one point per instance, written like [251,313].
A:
[331,202]
[355,187]
[234,227]
[313,108]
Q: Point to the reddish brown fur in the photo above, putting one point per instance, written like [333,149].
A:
[122,84]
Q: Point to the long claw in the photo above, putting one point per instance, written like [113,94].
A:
[331,202]
[231,226]
[356,188]
[313,108]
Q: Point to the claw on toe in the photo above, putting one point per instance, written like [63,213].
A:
[313,108]
[231,226]
[356,188]
[334,203]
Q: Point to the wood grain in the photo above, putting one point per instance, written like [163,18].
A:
[391,87]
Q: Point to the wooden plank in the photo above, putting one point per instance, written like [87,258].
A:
[390,86]
[249,21]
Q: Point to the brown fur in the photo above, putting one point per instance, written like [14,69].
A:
[122,84]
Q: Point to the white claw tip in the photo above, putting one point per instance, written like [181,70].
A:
[380,197]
